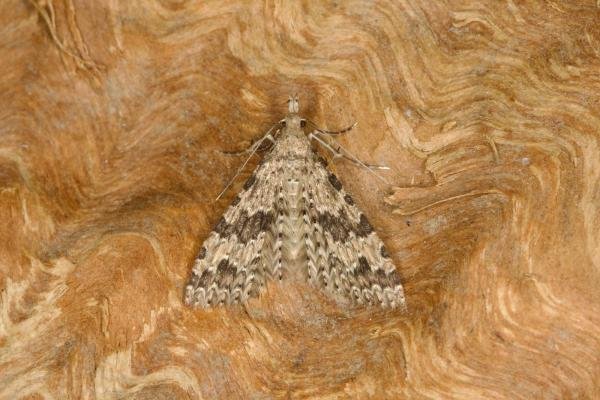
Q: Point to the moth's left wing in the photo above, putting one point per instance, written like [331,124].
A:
[236,258]
[345,255]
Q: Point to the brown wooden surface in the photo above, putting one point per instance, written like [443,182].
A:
[113,116]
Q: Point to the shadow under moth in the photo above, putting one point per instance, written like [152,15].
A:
[293,215]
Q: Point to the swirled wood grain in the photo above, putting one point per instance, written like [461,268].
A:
[113,119]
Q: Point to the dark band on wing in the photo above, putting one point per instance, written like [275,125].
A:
[364,228]
[340,226]
[335,182]
[384,252]
[201,253]
[379,276]
[246,227]
[250,182]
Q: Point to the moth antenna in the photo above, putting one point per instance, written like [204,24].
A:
[334,133]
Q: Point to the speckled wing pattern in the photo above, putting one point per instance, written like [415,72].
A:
[342,253]
[293,215]
[345,255]
[237,257]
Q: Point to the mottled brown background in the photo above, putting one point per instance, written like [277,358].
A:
[113,118]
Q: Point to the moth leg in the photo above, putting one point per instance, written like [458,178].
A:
[340,152]
[277,267]
[348,156]
[331,133]
[254,146]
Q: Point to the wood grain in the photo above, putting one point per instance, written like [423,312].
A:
[114,117]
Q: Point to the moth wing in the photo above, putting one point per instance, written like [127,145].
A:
[231,264]
[345,255]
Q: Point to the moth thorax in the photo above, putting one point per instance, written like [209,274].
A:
[295,146]
[293,122]
[293,187]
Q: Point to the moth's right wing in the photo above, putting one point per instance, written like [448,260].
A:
[345,254]
[237,256]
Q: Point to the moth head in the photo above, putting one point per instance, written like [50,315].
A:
[293,104]
[293,122]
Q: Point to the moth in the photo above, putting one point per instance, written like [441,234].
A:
[293,215]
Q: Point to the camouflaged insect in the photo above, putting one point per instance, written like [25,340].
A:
[293,214]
